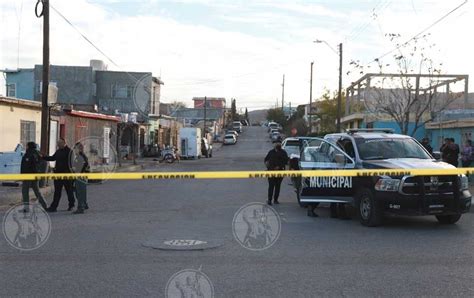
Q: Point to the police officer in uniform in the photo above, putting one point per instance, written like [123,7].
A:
[276,160]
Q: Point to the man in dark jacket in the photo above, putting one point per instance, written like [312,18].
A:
[450,152]
[275,160]
[62,157]
[29,165]
[426,143]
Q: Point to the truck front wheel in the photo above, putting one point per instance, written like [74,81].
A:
[370,213]
[448,219]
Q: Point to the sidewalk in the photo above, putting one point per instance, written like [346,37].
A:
[11,195]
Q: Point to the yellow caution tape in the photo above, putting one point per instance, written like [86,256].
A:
[239,174]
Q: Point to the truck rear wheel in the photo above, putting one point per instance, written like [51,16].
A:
[448,219]
[370,213]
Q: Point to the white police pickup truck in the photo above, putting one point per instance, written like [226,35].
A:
[446,197]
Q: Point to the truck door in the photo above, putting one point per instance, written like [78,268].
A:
[319,154]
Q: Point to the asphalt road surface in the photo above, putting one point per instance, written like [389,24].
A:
[113,249]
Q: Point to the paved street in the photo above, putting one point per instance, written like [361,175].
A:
[106,251]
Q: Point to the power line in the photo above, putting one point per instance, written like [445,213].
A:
[419,33]
[358,30]
[83,36]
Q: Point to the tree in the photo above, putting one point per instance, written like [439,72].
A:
[177,105]
[326,111]
[233,110]
[246,114]
[410,95]
[276,115]
[296,121]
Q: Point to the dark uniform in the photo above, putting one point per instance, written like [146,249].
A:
[275,160]
[30,164]
[61,156]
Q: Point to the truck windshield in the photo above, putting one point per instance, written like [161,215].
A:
[370,149]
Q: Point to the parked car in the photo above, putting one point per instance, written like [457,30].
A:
[237,126]
[276,136]
[272,125]
[230,139]
[272,131]
[235,133]
[206,148]
[291,146]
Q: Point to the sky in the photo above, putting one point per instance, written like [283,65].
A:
[236,49]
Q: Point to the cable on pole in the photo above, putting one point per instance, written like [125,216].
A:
[39,15]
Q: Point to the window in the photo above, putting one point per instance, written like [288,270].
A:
[372,149]
[40,85]
[27,132]
[122,91]
[11,90]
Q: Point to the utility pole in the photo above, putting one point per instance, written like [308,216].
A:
[310,98]
[205,112]
[339,96]
[283,93]
[45,78]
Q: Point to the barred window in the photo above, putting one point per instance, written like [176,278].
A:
[27,132]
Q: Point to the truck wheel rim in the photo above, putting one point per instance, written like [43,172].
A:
[365,207]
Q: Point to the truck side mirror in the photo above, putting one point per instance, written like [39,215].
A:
[437,155]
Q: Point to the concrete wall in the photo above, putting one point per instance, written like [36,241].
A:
[10,128]
[75,83]
[137,99]
[420,132]
[25,82]
[460,135]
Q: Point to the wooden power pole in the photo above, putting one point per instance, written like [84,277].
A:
[45,82]
[310,98]
[339,96]
[283,93]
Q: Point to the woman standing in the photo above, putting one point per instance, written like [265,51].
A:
[466,154]
[80,164]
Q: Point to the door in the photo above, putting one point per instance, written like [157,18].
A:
[319,154]
[184,147]
[53,140]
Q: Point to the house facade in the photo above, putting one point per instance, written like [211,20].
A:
[21,123]
[211,102]
[91,88]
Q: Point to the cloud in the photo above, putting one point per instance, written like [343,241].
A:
[245,60]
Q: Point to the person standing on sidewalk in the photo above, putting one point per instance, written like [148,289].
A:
[61,156]
[30,165]
[276,160]
[80,164]
[467,154]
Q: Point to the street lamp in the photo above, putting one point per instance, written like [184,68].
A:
[339,96]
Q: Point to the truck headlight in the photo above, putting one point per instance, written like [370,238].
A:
[464,182]
[387,184]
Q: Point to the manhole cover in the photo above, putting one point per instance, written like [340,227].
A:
[182,244]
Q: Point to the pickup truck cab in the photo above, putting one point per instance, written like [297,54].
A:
[446,197]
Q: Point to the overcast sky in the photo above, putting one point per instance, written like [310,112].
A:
[234,49]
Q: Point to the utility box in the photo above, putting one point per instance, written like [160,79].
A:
[10,162]
[190,140]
